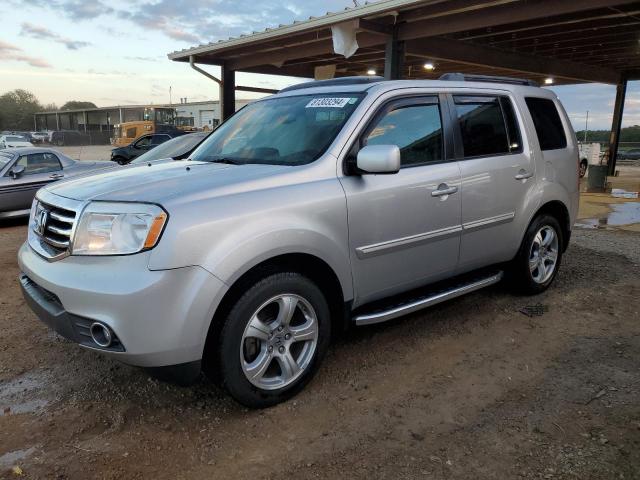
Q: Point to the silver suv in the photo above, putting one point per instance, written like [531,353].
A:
[333,203]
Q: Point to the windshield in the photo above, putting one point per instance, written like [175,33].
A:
[4,159]
[172,148]
[280,131]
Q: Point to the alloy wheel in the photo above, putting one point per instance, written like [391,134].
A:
[543,256]
[279,342]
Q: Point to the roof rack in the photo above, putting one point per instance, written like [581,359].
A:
[464,77]
[354,80]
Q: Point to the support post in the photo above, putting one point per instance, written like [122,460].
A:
[616,124]
[393,57]
[57,121]
[227,93]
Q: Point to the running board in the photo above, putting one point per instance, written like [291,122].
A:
[424,302]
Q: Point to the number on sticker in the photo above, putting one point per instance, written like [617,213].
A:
[327,102]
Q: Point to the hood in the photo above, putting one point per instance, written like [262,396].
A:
[160,181]
[15,144]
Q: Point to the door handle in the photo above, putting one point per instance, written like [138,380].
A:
[56,175]
[444,189]
[523,175]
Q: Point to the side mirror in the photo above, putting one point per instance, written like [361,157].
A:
[381,159]
[17,171]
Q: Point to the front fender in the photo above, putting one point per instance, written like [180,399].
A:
[230,234]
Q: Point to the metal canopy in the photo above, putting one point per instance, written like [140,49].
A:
[569,41]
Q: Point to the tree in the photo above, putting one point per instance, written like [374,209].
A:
[77,105]
[16,110]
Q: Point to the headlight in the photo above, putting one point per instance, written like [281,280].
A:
[111,228]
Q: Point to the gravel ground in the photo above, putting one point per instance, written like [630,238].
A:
[468,389]
[90,152]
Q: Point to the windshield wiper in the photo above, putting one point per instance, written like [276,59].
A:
[227,160]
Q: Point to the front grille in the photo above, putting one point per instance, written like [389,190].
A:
[58,224]
[52,225]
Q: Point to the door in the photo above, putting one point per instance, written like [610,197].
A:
[498,175]
[404,228]
[39,170]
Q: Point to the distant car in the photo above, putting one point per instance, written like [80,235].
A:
[24,170]
[69,137]
[175,149]
[632,154]
[14,141]
[142,144]
[39,137]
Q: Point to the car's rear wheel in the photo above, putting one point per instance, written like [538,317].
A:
[539,257]
[273,339]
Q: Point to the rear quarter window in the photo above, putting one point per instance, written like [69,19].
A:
[546,119]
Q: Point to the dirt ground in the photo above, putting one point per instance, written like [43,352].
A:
[470,389]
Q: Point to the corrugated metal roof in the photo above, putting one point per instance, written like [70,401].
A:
[298,26]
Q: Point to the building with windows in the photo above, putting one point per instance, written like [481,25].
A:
[98,123]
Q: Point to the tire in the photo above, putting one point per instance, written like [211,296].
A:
[583,168]
[260,363]
[531,279]
[120,160]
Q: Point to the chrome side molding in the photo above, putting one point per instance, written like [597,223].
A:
[398,311]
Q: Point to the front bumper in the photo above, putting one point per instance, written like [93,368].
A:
[160,317]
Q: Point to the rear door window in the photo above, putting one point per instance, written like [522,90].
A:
[159,138]
[488,125]
[546,120]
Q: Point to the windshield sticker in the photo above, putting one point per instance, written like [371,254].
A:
[327,102]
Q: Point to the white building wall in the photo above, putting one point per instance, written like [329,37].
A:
[204,113]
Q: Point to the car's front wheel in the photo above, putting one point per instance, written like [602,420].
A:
[273,339]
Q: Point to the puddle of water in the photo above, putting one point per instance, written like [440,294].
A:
[620,193]
[11,458]
[621,214]
[23,394]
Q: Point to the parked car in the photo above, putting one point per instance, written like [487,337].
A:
[631,154]
[177,148]
[69,137]
[39,137]
[334,203]
[24,170]
[142,144]
[14,141]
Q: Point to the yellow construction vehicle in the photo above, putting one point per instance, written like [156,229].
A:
[154,119]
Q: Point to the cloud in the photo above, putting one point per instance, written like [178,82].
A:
[144,59]
[186,20]
[43,33]
[190,21]
[74,9]
[11,52]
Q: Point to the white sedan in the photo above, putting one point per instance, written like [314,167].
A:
[12,141]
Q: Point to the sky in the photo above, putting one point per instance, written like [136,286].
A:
[115,52]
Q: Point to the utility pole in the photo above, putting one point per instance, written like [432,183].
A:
[586,127]
[170,102]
